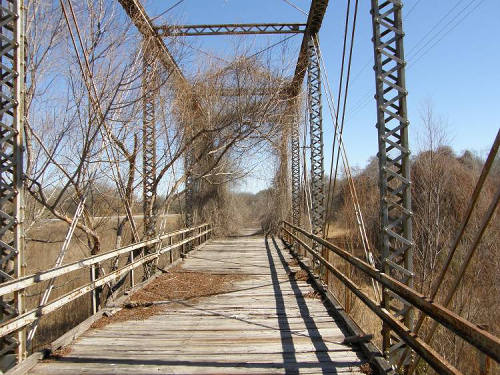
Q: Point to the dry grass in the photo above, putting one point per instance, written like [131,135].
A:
[301,275]
[176,285]
[336,231]
[59,353]
[365,368]
[293,263]
[313,295]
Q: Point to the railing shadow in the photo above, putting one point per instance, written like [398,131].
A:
[321,349]
[289,358]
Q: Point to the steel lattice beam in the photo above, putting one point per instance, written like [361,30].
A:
[149,93]
[11,173]
[189,192]
[231,29]
[314,20]
[295,149]
[149,82]
[316,140]
[394,161]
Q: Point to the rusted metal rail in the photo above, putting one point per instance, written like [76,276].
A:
[196,235]
[473,334]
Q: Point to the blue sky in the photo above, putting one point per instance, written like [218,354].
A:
[451,46]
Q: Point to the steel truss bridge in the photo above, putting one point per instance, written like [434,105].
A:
[402,345]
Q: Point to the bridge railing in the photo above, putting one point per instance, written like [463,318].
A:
[301,241]
[183,239]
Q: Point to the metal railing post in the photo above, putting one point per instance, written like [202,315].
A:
[170,240]
[131,273]
[93,295]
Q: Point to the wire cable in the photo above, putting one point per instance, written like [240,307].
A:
[168,10]
[272,45]
[341,77]
[296,7]
[346,92]
[352,188]
[365,98]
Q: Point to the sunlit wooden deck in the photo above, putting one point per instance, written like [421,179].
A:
[264,324]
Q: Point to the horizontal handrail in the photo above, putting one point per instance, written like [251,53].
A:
[27,318]
[29,280]
[481,339]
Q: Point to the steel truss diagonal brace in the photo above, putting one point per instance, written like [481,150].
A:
[316,139]
[394,162]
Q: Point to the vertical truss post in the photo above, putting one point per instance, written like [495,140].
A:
[13,346]
[316,139]
[394,162]
[149,91]
[189,193]
[295,140]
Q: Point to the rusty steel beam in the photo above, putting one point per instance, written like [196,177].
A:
[231,29]
[314,20]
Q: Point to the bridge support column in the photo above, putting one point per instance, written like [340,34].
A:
[316,139]
[394,163]
[295,142]
[189,192]
[149,94]
[13,346]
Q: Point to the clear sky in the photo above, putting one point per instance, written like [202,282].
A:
[452,48]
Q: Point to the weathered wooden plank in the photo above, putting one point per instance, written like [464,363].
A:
[197,368]
[262,325]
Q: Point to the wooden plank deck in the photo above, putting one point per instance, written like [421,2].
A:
[263,325]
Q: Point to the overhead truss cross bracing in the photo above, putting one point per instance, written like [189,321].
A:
[231,29]
[12,346]
[394,161]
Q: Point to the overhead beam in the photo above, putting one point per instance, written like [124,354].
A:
[231,29]
[316,14]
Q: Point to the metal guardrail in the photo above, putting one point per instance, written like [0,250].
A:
[201,235]
[474,335]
